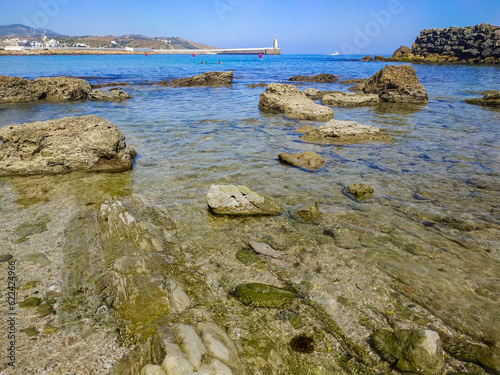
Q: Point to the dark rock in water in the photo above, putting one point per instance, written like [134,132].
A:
[239,200]
[109,95]
[86,143]
[360,190]
[204,79]
[345,132]
[367,58]
[16,89]
[401,52]
[415,351]
[255,85]
[288,99]
[306,212]
[5,257]
[486,357]
[111,84]
[308,160]
[262,295]
[321,78]
[396,84]
[302,344]
[491,98]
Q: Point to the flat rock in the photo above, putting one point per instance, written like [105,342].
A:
[396,84]
[16,89]
[321,78]
[308,160]
[264,248]
[109,95]
[288,99]
[239,200]
[204,79]
[345,132]
[347,99]
[490,98]
[313,94]
[304,129]
[86,143]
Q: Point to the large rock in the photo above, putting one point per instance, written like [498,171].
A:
[320,78]
[347,99]
[415,351]
[345,132]
[16,89]
[204,79]
[308,160]
[491,98]
[486,357]
[109,95]
[239,200]
[396,84]
[293,103]
[86,143]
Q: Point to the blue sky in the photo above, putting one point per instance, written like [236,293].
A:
[314,26]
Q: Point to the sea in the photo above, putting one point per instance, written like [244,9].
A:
[436,198]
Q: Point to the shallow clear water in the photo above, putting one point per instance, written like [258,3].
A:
[437,186]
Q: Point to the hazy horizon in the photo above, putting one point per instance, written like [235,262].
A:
[380,26]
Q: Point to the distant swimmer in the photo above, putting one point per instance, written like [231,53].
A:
[203,62]
[219,62]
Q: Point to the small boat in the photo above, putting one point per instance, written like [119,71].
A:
[335,54]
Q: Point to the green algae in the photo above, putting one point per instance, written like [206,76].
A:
[5,257]
[27,229]
[44,310]
[262,295]
[30,303]
[30,332]
[486,357]
[29,285]
[49,329]
[39,258]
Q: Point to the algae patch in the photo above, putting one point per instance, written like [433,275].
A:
[262,295]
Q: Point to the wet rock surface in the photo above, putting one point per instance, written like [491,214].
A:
[203,79]
[86,143]
[320,78]
[490,98]
[109,95]
[347,99]
[287,99]
[308,160]
[345,132]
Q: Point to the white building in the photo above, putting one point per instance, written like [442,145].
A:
[52,43]
[275,44]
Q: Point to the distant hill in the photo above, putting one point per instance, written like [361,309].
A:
[23,31]
[132,40]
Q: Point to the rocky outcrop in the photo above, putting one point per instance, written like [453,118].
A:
[360,190]
[308,160]
[471,44]
[204,79]
[16,89]
[288,99]
[320,78]
[486,357]
[491,98]
[109,95]
[415,351]
[347,99]
[345,132]
[239,200]
[396,84]
[86,143]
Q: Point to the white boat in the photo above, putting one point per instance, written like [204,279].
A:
[335,54]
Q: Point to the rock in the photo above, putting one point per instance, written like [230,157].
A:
[218,344]
[367,58]
[16,89]
[304,129]
[308,160]
[288,99]
[264,248]
[313,94]
[306,212]
[415,351]
[180,300]
[321,78]
[191,343]
[401,52]
[490,98]
[5,257]
[380,58]
[108,95]
[86,143]
[262,295]
[347,99]
[486,357]
[353,81]
[396,84]
[152,370]
[101,85]
[239,200]
[344,237]
[204,79]
[360,190]
[176,362]
[345,132]
[255,85]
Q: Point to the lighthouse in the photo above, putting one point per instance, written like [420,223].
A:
[275,44]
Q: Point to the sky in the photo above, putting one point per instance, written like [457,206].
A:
[303,27]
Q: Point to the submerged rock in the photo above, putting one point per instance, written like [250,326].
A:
[204,79]
[239,200]
[288,99]
[490,98]
[264,248]
[306,212]
[255,85]
[360,190]
[345,132]
[409,350]
[86,143]
[109,95]
[396,84]
[321,78]
[347,99]
[16,89]
[486,357]
[308,160]
[263,295]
